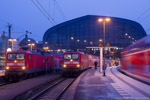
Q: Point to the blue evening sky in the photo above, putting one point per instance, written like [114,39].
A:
[24,15]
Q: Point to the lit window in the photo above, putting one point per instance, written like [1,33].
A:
[126,34]
[46,42]
[72,38]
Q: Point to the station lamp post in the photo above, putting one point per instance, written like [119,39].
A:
[31,45]
[101,20]
[46,48]
[12,40]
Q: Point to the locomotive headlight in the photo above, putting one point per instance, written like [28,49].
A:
[71,60]
[78,65]
[7,68]
[15,61]
[64,66]
[23,67]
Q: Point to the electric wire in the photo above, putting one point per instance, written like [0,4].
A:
[16,27]
[3,21]
[54,7]
[143,13]
[49,4]
[60,10]
[19,28]
[148,29]
[143,16]
[45,11]
[42,12]
[146,16]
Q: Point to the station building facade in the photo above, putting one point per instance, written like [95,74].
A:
[86,31]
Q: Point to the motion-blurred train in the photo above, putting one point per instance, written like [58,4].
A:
[136,58]
[75,62]
[20,64]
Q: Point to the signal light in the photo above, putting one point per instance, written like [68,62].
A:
[64,66]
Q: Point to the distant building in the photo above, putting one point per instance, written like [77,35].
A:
[24,44]
[3,48]
[39,45]
[3,43]
[86,31]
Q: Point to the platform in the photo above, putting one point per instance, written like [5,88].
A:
[92,85]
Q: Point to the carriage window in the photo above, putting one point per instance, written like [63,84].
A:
[11,56]
[19,56]
[67,56]
[75,56]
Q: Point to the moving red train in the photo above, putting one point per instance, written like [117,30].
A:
[26,63]
[75,62]
[136,58]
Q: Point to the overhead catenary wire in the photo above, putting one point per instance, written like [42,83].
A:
[146,16]
[148,29]
[42,12]
[60,10]
[8,24]
[143,16]
[11,24]
[49,4]
[45,11]
[3,21]
[54,7]
[3,27]
[19,28]
[143,13]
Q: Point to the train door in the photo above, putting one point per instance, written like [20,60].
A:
[28,63]
[34,64]
[46,63]
[82,60]
[57,65]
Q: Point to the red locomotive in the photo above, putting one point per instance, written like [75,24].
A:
[75,62]
[136,58]
[24,63]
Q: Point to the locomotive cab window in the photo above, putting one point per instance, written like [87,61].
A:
[20,56]
[75,56]
[11,56]
[67,56]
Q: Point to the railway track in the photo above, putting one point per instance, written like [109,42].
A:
[56,92]
[52,90]
[2,84]
[60,95]
[48,88]
[57,86]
